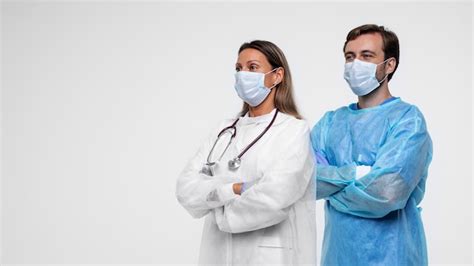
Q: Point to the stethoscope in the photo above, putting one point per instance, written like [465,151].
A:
[234,163]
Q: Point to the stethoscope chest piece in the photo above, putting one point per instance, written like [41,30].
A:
[207,169]
[234,164]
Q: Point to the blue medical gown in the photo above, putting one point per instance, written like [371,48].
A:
[375,219]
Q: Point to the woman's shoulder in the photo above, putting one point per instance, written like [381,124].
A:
[294,124]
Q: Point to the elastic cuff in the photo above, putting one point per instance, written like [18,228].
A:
[333,174]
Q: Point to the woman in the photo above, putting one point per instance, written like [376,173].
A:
[252,179]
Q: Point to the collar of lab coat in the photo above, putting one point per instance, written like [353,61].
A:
[262,121]
[266,118]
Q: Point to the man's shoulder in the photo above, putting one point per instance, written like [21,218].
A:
[407,115]
[408,110]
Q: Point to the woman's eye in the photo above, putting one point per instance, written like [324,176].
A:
[253,67]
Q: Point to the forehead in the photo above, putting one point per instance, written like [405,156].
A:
[369,41]
[251,54]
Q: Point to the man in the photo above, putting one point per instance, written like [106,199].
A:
[373,159]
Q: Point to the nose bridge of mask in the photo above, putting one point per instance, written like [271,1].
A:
[368,63]
[249,77]
[360,68]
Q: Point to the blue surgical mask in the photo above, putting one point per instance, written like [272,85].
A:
[250,87]
[361,76]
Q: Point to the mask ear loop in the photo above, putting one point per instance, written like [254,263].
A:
[386,75]
[380,82]
[274,84]
[274,70]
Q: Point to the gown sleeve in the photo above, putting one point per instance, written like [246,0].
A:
[329,178]
[401,162]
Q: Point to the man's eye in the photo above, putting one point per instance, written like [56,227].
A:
[237,69]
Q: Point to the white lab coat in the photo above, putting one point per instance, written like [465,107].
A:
[271,223]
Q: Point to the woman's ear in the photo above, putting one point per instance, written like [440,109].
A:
[280,73]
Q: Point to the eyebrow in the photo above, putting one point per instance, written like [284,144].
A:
[250,61]
[368,51]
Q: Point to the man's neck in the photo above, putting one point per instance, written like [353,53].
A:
[375,98]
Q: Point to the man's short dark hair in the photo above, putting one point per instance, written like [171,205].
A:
[391,47]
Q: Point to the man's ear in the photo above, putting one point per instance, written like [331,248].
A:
[390,65]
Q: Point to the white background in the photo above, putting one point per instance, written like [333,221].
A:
[103,103]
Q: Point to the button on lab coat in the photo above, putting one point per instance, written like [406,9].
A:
[273,221]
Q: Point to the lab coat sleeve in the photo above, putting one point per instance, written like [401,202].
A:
[401,162]
[268,201]
[199,193]
[329,178]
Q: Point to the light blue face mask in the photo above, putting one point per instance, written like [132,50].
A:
[361,76]
[250,86]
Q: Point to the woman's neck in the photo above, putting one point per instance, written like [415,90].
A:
[260,110]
